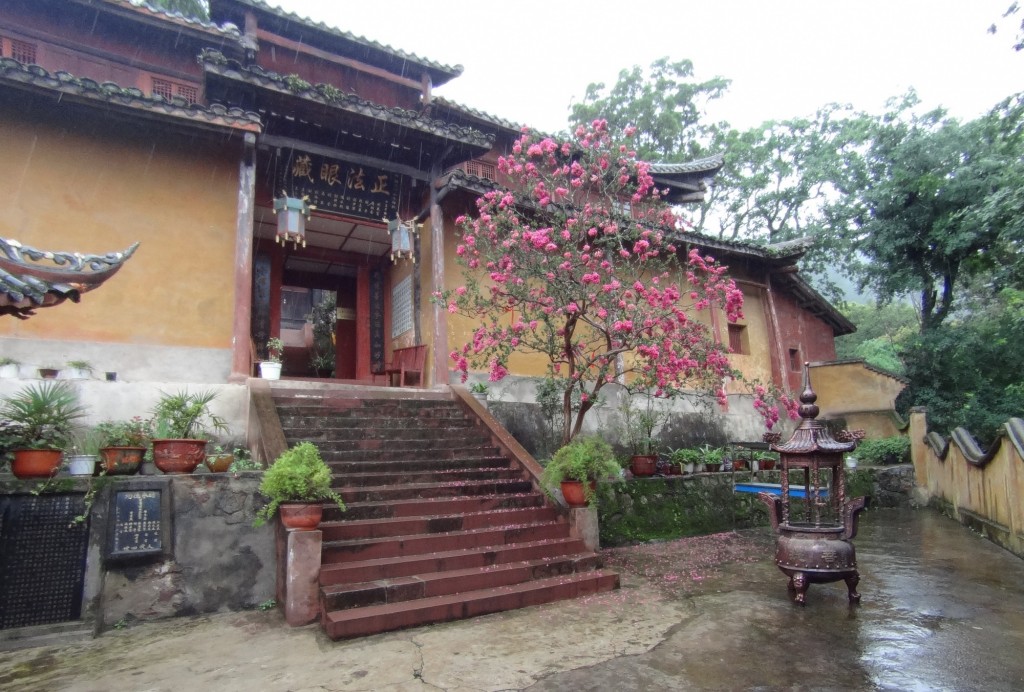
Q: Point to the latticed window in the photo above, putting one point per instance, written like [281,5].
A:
[479,169]
[22,51]
[168,90]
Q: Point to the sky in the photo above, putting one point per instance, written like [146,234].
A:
[528,60]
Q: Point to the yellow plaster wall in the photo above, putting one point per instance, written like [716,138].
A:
[93,188]
[757,364]
[850,387]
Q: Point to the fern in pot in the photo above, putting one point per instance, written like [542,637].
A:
[576,468]
[296,485]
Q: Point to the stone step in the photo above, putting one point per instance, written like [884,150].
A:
[418,465]
[397,445]
[405,526]
[388,493]
[345,437]
[382,476]
[381,591]
[446,561]
[331,455]
[431,506]
[357,622]
[419,544]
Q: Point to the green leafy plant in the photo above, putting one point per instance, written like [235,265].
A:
[135,432]
[187,416]
[79,365]
[885,450]
[7,361]
[86,441]
[584,459]
[275,348]
[243,461]
[711,455]
[43,416]
[298,475]
[478,388]
[685,455]
[641,422]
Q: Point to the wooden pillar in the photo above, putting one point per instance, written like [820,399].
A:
[363,318]
[241,368]
[775,351]
[440,341]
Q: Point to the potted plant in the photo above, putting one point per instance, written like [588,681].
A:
[84,453]
[765,462]
[479,392]
[243,461]
[576,468]
[183,421]
[8,368]
[685,458]
[41,419]
[219,460]
[48,372]
[297,483]
[123,444]
[76,370]
[270,369]
[640,426]
[712,457]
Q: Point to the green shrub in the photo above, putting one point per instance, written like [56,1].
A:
[885,450]
[298,475]
[584,459]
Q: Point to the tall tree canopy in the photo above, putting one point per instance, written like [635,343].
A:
[665,104]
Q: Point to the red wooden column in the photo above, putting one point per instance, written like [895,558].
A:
[363,323]
[440,336]
[241,320]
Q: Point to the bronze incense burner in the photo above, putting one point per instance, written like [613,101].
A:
[814,544]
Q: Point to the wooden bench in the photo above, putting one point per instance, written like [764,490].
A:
[404,362]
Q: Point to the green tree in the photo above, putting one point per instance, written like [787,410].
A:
[882,332]
[665,104]
[916,200]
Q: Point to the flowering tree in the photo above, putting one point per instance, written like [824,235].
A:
[576,260]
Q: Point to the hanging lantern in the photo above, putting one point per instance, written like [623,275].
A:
[402,239]
[292,213]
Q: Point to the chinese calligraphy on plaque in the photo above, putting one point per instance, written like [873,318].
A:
[340,186]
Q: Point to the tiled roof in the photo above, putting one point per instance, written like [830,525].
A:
[477,114]
[31,279]
[141,6]
[215,63]
[13,72]
[447,70]
[708,164]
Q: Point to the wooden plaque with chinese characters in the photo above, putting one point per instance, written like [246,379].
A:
[342,187]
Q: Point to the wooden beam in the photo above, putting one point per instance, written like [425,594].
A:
[267,37]
[279,142]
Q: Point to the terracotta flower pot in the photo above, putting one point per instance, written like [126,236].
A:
[739,464]
[178,456]
[36,463]
[765,464]
[122,461]
[712,467]
[574,493]
[219,463]
[301,516]
[643,465]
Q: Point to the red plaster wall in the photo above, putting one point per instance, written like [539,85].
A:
[801,330]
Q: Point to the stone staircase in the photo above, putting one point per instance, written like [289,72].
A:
[439,524]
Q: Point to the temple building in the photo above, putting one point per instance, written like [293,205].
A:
[284,179]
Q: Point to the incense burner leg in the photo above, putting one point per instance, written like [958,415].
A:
[798,585]
[851,587]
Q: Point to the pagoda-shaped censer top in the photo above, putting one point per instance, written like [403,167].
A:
[815,521]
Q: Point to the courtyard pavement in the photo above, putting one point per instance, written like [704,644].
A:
[942,609]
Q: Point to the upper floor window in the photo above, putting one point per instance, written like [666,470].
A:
[795,363]
[479,169]
[739,341]
[22,51]
[169,89]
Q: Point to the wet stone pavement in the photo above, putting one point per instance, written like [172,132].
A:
[942,609]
